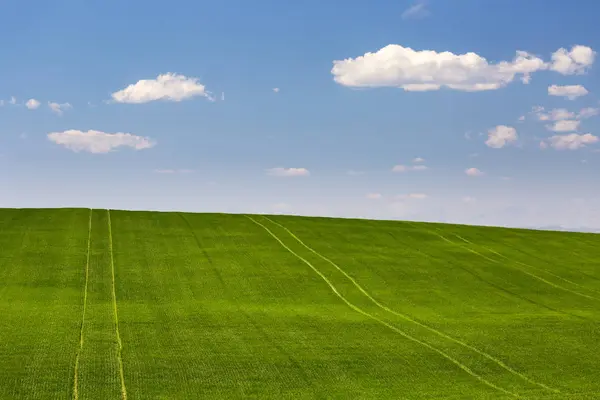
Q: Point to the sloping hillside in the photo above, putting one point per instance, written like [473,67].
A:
[148,305]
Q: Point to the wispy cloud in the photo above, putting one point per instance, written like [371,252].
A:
[405,168]
[287,172]
[417,10]
[99,142]
[58,108]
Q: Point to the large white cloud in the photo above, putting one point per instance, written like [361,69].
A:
[500,136]
[169,87]
[99,142]
[287,172]
[424,70]
[576,61]
[572,141]
[571,92]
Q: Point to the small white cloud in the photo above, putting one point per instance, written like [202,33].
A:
[405,168]
[416,196]
[500,136]
[572,141]
[571,92]
[543,145]
[99,142]
[473,172]
[417,10]
[59,108]
[576,61]
[279,171]
[169,87]
[13,100]
[374,196]
[32,104]
[522,118]
[564,126]
[276,90]
[418,160]
[222,96]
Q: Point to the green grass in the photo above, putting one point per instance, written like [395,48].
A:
[148,305]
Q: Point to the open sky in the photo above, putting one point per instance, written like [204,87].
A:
[469,111]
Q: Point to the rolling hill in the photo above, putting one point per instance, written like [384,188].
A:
[147,305]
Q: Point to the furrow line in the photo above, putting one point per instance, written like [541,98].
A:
[408,318]
[539,278]
[528,265]
[85,290]
[114,296]
[392,327]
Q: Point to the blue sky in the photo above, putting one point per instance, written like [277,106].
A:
[363,87]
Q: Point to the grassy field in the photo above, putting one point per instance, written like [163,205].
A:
[146,305]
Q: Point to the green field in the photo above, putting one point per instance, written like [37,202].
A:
[147,305]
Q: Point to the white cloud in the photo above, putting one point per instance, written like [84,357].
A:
[279,171]
[169,86]
[416,196]
[564,126]
[405,168]
[576,61]
[522,118]
[418,160]
[417,10]
[572,141]
[222,96]
[556,114]
[500,136]
[32,104]
[424,70]
[473,172]
[559,114]
[571,92]
[588,112]
[276,90]
[13,100]
[59,108]
[374,196]
[99,142]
